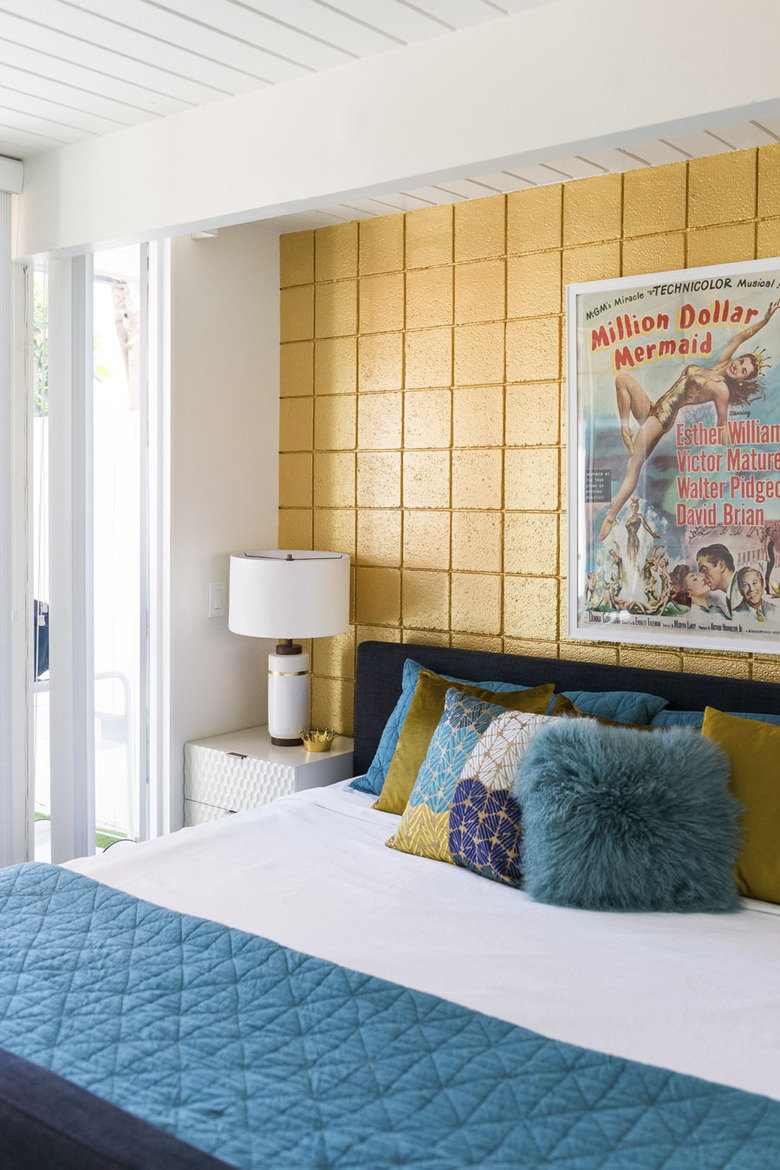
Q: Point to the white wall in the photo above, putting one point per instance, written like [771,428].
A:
[536,86]
[224,471]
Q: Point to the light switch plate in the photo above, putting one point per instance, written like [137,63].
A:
[216,599]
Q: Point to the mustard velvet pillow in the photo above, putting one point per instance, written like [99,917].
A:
[425,711]
[754,750]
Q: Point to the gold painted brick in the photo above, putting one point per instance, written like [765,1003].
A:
[381,362]
[379,421]
[533,284]
[334,479]
[378,536]
[334,657]
[588,652]
[378,596]
[429,236]
[531,607]
[719,245]
[295,480]
[426,600]
[426,637]
[479,354]
[428,358]
[381,244]
[654,199]
[476,542]
[296,313]
[592,210]
[333,704]
[382,303]
[336,251]
[766,670]
[480,292]
[653,253]
[534,219]
[480,228]
[476,478]
[591,262]
[478,416]
[295,424]
[426,541]
[336,309]
[335,365]
[727,665]
[649,658]
[296,368]
[334,529]
[379,479]
[769,180]
[487,642]
[296,258]
[335,422]
[426,479]
[768,241]
[476,603]
[377,634]
[429,297]
[531,481]
[722,188]
[532,414]
[533,350]
[295,528]
[531,543]
[427,420]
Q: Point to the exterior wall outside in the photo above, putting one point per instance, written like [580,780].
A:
[422,401]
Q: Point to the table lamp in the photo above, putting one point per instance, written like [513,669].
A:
[286,593]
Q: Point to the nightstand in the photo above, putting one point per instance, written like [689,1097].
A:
[242,769]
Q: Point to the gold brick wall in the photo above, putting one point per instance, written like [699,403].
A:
[422,400]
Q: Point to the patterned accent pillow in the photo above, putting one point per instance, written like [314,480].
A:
[425,826]
[485,828]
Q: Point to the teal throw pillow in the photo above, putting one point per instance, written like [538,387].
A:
[620,819]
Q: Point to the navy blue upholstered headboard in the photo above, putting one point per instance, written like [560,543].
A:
[380,667]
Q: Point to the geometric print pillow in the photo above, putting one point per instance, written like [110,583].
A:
[485,830]
[424,827]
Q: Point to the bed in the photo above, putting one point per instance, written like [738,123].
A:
[278,988]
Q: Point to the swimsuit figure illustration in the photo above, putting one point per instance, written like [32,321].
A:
[634,521]
[731,381]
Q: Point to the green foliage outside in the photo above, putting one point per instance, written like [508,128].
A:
[40,348]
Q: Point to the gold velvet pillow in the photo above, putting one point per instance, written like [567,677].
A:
[754,750]
[425,711]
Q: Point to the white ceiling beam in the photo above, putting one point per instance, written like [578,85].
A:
[11,175]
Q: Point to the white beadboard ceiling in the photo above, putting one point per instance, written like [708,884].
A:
[71,71]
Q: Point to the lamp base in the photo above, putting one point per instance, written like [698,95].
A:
[288,696]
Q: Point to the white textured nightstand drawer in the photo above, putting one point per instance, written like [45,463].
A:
[243,769]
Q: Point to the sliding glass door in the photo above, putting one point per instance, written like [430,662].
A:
[95,549]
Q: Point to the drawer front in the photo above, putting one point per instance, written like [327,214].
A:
[199,814]
[232,782]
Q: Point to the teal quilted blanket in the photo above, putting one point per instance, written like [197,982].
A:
[267,1057]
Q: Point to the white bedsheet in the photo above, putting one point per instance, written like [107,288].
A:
[696,993]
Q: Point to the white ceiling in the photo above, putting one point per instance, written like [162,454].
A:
[71,71]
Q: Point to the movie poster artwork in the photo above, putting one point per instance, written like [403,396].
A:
[674,458]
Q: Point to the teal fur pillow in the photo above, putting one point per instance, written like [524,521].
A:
[621,706]
[696,718]
[621,819]
[375,776]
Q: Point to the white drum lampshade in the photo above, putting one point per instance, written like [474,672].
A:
[286,594]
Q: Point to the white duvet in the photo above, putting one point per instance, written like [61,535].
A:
[696,993]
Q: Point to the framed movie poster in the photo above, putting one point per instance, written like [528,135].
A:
[674,458]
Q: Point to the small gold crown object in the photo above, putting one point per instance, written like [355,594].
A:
[316,740]
[763,361]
